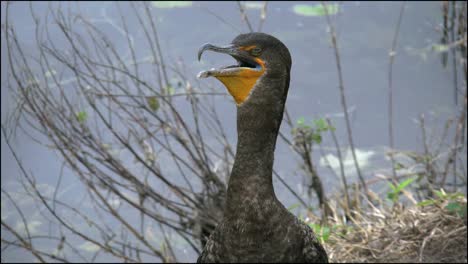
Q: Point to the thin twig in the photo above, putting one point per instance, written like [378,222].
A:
[220,18]
[390,89]
[340,159]
[263,13]
[244,15]
[343,97]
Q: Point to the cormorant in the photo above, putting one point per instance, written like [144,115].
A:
[256,227]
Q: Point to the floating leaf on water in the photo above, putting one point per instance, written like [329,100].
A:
[422,53]
[90,247]
[32,227]
[130,196]
[32,81]
[49,74]
[45,189]
[170,90]
[153,102]
[149,234]
[149,153]
[171,4]
[300,121]
[114,202]
[362,156]
[81,116]
[149,59]
[105,146]
[176,82]
[440,48]
[315,10]
[294,206]
[253,5]
[5,213]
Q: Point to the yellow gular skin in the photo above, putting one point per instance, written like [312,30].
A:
[240,84]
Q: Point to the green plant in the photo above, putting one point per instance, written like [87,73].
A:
[316,10]
[396,190]
[322,232]
[153,102]
[81,116]
[313,132]
[450,201]
[294,206]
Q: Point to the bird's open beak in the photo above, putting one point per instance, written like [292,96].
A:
[240,78]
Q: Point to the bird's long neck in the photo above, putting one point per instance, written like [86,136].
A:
[250,184]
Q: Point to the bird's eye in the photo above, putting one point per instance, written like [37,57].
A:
[256,51]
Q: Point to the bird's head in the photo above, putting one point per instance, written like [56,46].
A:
[262,69]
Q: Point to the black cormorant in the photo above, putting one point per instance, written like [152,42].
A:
[256,227]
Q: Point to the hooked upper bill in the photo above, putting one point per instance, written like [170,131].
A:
[240,78]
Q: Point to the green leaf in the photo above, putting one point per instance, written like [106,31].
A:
[317,138]
[315,10]
[321,124]
[300,217]
[32,226]
[440,48]
[171,4]
[300,121]
[89,246]
[322,232]
[392,187]
[440,194]
[153,102]
[393,195]
[426,202]
[455,195]
[325,233]
[405,183]
[170,90]
[315,227]
[398,166]
[456,207]
[453,207]
[49,74]
[292,207]
[81,116]
[462,211]
[253,5]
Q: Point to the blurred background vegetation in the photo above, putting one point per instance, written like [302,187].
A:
[112,150]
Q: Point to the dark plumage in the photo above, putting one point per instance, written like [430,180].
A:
[256,227]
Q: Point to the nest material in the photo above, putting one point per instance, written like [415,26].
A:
[416,234]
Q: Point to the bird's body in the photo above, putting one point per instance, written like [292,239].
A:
[264,236]
[256,227]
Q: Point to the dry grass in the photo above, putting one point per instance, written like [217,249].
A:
[398,234]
